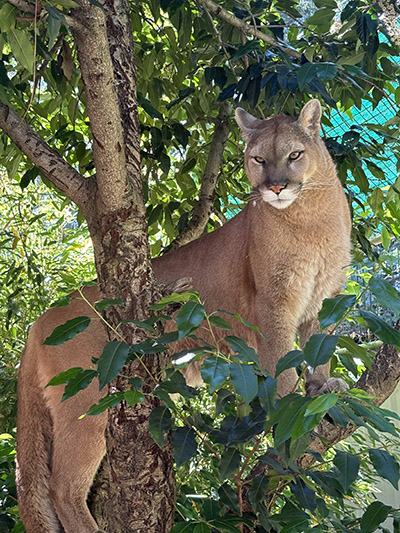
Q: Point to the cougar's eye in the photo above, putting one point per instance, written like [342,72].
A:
[259,159]
[294,155]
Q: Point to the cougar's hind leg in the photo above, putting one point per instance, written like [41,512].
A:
[78,448]
[34,437]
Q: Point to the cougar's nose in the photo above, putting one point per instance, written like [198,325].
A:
[276,188]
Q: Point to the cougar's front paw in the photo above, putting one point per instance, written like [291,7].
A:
[315,387]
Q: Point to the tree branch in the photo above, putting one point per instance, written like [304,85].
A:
[120,41]
[204,207]
[23,6]
[222,13]
[90,35]
[77,188]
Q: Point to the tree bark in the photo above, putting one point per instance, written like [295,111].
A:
[141,483]
[201,213]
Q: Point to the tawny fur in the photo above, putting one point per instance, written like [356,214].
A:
[273,263]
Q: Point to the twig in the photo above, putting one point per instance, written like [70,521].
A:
[221,12]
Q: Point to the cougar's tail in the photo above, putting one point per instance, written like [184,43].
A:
[34,441]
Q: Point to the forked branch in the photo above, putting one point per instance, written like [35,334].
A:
[77,188]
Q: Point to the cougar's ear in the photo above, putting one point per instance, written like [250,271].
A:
[310,117]
[246,122]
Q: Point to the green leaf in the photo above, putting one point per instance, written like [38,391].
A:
[202,528]
[219,322]
[189,318]
[326,71]
[386,294]
[146,105]
[229,463]
[111,361]
[67,331]
[245,49]
[321,404]
[376,513]
[355,350]
[229,497]
[290,410]
[258,490]
[319,349]
[64,377]
[386,466]
[244,380]
[160,422]
[290,360]
[373,415]
[133,397]
[111,400]
[184,444]
[267,390]
[214,371]
[8,14]
[241,347]
[103,304]
[333,309]
[78,382]
[347,466]
[174,298]
[385,237]
[386,333]
[322,16]
[22,48]
[305,74]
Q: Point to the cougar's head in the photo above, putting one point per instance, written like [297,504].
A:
[282,153]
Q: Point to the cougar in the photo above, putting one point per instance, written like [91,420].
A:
[273,263]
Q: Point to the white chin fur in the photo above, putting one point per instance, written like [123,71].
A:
[280,201]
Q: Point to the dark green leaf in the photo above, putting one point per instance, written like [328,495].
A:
[347,466]
[111,400]
[386,294]
[373,415]
[184,444]
[290,360]
[333,309]
[103,304]
[245,49]
[67,331]
[111,361]
[386,333]
[376,513]
[22,48]
[64,377]
[214,371]
[229,463]
[229,497]
[244,380]
[319,349]
[160,422]
[267,391]
[189,318]
[132,397]
[146,105]
[258,490]
[219,322]
[326,71]
[386,466]
[305,74]
[305,496]
[78,382]
[241,347]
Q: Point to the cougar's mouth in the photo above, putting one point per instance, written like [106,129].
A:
[279,200]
